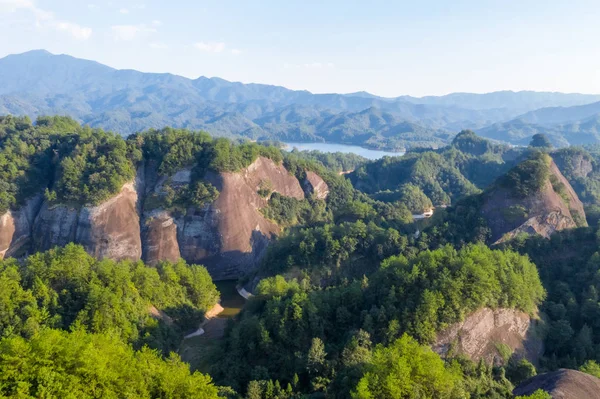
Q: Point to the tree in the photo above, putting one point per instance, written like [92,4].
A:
[77,364]
[519,370]
[407,370]
[591,367]
[540,141]
[539,394]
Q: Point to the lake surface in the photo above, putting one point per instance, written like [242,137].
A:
[331,147]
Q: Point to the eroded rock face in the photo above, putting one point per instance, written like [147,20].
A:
[577,165]
[7,230]
[55,225]
[228,236]
[314,184]
[15,228]
[109,230]
[541,213]
[159,238]
[480,333]
[231,235]
[112,229]
[562,384]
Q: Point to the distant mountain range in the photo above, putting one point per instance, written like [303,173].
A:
[126,101]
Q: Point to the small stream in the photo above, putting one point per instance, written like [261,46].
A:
[231,300]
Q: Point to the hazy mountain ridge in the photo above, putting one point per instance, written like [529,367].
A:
[40,83]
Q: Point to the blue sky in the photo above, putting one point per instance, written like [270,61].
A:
[390,48]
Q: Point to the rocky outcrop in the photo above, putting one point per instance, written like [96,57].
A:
[159,238]
[481,334]
[7,230]
[112,229]
[228,236]
[315,185]
[543,212]
[562,384]
[574,163]
[231,235]
[109,230]
[15,228]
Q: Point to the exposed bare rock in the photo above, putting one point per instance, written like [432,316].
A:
[112,229]
[109,230]
[231,235]
[562,384]
[15,228]
[314,184]
[541,213]
[574,164]
[55,225]
[480,333]
[160,315]
[7,230]
[159,237]
[228,236]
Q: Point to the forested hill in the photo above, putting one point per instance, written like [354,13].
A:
[350,295]
[127,101]
[440,177]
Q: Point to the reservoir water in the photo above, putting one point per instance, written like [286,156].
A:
[331,147]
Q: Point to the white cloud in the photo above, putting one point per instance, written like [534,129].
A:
[46,19]
[236,51]
[158,45]
[217,47]
[156,22]
[124,11]
[130,32]
[311,65]
[14,5]
[78,32]
[319,65]
[92,6]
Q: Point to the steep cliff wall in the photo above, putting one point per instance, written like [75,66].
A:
[15,228]
[7,230]
[112,229]
[109,230]
[159,237]
[481,333]
[228,236]
[315,185]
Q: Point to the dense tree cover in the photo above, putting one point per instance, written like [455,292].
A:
[406,369]
[357,246]
[76,163]
[529,176]
[336,161]
[539,394]
[82,166]
[77,364]
[408,194]
[419,294]
[461,169]
[569,266]
[66,287]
